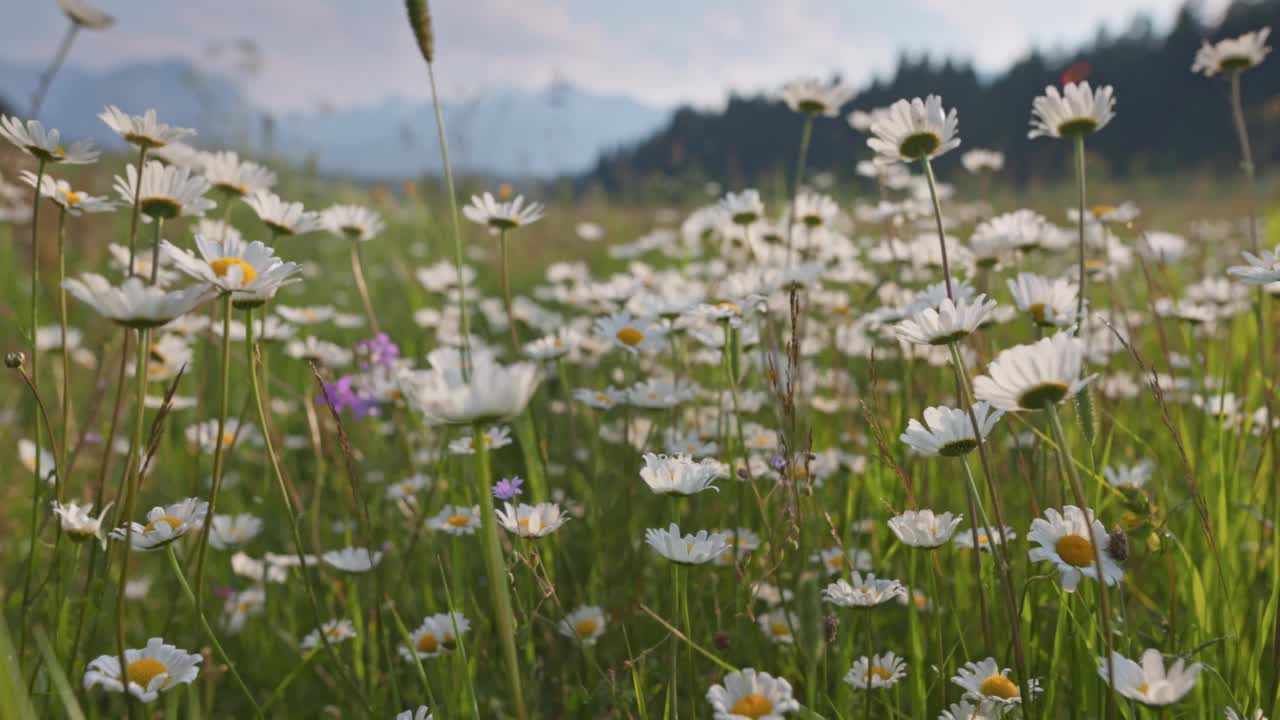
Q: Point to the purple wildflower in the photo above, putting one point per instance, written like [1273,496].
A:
[345,396]
[508,488]
[378,351]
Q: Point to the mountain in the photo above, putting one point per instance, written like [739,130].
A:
[508,132]
[1168,120]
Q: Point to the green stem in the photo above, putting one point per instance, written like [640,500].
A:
[137,208]
[219,448]
[496,568]
[937,217]
[806,134]
[1079,148]
[208,631]
[357,271]
[35,375]
[504,273]
[457,227]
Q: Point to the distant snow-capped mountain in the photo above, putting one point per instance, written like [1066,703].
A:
[508,132]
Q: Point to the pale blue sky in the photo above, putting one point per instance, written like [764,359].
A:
[349,52]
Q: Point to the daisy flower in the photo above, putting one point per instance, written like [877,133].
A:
[485,210]
[45,145]
[167,192]
[1135,475]
[630,333]
[282,217]
[986,683]
[965,710]
[205,435]
[1150,683]
[335,631]
[585,624]
[27,456]
[1076,110]
[421,713]
[749,694]
[1263,269]
[777,625]
[1231,714]
[814,209]
[231,530]
[495,437]
[77,522]
[156,667]
[949,431]
[924,529]
[164,524]
[863,592]
[143,131]
[1068,539]
[964,538]
[606,399]
[980,160]
[408,488]
[1233,54]
[551,347]
[812,96]
[456,520]
[352,222]
[743,208]
[492,391]
[235,177]
[85,15]
[912,130]
[319,351]
[251,272]
[531,521]
[1017,230]
[878,671]
[949,322]
[60,192]
[435,635]
[1033,377]
[352,559]
[240,606]
[134,303]
[678,474]
[1049,302]
[696,549]
[835,560]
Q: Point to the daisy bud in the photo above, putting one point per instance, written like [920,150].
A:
[14,360]
[420,22]
[721,640]
[830,627]
[1118,545]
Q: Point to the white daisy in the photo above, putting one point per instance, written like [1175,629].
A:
[965,710]
[485,210]
[492,391]
[924,529]
[156,667]
[964,538]
[1135,475]
[696,549]
[144,130]
[878,671]
[422,712]
[456,520]
[986,683]
[1233,54]
[1069,540]
[606,399]
[913,130]
[1263,269]
[77,522]
[630,333]
[1076,110]
[85,15]
[585,624]
[231,530]
[863,592]
[743,208]
[836,560]
[282,217]
[749,695]
[27,456]
[60,192]
[1049,302]
[135,304]
[240,606]
[1020,230]
[352,222]
[1033,377]
[435,635]
[165,524]
[949,431]
[1150,683]
[335,631]
[949,322]
[319,351]
[167,192]
[812,96]
[251,272]
[531,521]
[408,488]
[235,177]
[779,625]
[980,160]
[33,139]
[352,559]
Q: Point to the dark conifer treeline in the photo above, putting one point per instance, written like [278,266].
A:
[1168,119]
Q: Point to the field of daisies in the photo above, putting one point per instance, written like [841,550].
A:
[289,447]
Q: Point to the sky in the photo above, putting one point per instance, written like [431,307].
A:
[316,53]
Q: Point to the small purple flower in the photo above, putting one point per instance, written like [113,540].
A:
[777,462]
[379,350]
[345,396]
[508,488]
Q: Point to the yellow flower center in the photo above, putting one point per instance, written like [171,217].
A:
[173,523]
[223,265]
[999,686]
[630,336]
[780,629]
[1143,688]
[585,627]
[59,151]
[428,643]
[983,539]
[459,520]
[71,197]
[228,439]
[1101,210]
[836,561]
[1075,550]
[601,397]
[752,705]
[1037,312]
[879,672]
[143,670]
